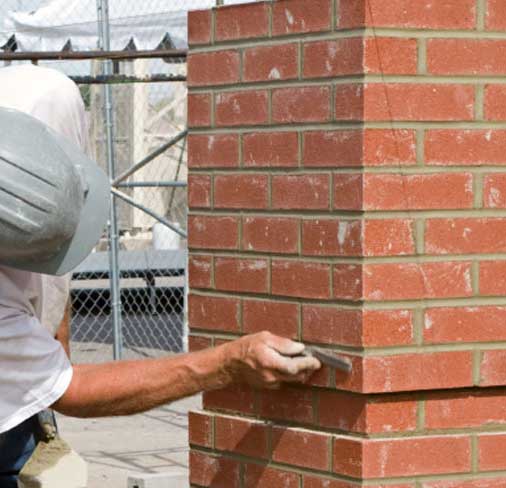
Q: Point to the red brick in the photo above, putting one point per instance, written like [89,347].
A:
[414,281]
[199,110]
[382,458]
[496,15]
[199,27]
[293,16]
[270,234]
[288,404]
[242,21]
[335,149]
[304,192]
[271,63]
[277,317]
[212,471]
[348,191]
[475,483]
[256,475]
[357,413]
[418,101]
[213,313]
[410,372]
[349,102]
[331,325]
[199,343]
[465,410]
[241,436]
[352,56]
[241,108]
[465,324]
[389,147]
[494,191]
[240,191]
[276,149]
[383,328]
[337,57]
[300,279]
[320,378]
[301,448]
[465,236]
[348,281]
[348,457]
[391,414]
[199,191]
[199,271]
[466,56]
[332,237]
[213,232]
[213,151]
[388,237]
[213,68]
[493,278]
[418,192]
[352,381]
[200,429]
[234,398]
[495,102]
[493,368]
[415,14]
[492,452]
[301,104]
[465,147]
[244,275]
[390,55]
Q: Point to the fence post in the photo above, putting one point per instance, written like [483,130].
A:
[104,39]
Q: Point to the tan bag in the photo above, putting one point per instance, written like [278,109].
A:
[53,464]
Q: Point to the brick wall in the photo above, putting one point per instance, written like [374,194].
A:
[348,188]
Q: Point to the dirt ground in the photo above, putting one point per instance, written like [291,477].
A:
[152,442]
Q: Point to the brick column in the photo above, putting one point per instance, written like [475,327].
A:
[347,188]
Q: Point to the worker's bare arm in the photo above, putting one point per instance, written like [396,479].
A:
[128,387]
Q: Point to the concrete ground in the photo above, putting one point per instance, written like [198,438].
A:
[152,442]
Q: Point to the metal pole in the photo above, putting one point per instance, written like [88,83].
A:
[152,184]
[137,166]
[145,209]
[36,56]
[105,44]
[178,170]
[126,79]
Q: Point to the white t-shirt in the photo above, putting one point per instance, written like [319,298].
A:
[34,369]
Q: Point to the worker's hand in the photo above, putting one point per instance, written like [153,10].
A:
[264,360]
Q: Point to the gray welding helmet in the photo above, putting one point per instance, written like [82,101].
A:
[54,201]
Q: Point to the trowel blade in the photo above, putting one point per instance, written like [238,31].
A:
[329,358]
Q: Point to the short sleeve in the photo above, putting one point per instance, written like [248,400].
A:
[55,296]
[34,370]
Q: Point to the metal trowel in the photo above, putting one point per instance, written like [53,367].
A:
[329,358]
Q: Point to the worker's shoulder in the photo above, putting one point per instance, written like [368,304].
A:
[39,78]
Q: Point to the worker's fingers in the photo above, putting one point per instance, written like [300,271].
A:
[299,378]
[284,346]
[293,366]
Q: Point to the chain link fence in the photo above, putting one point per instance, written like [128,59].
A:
[144,250]
[151,255]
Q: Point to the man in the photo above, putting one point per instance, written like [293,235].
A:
[65,216]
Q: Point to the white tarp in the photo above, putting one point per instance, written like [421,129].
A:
[145,22]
